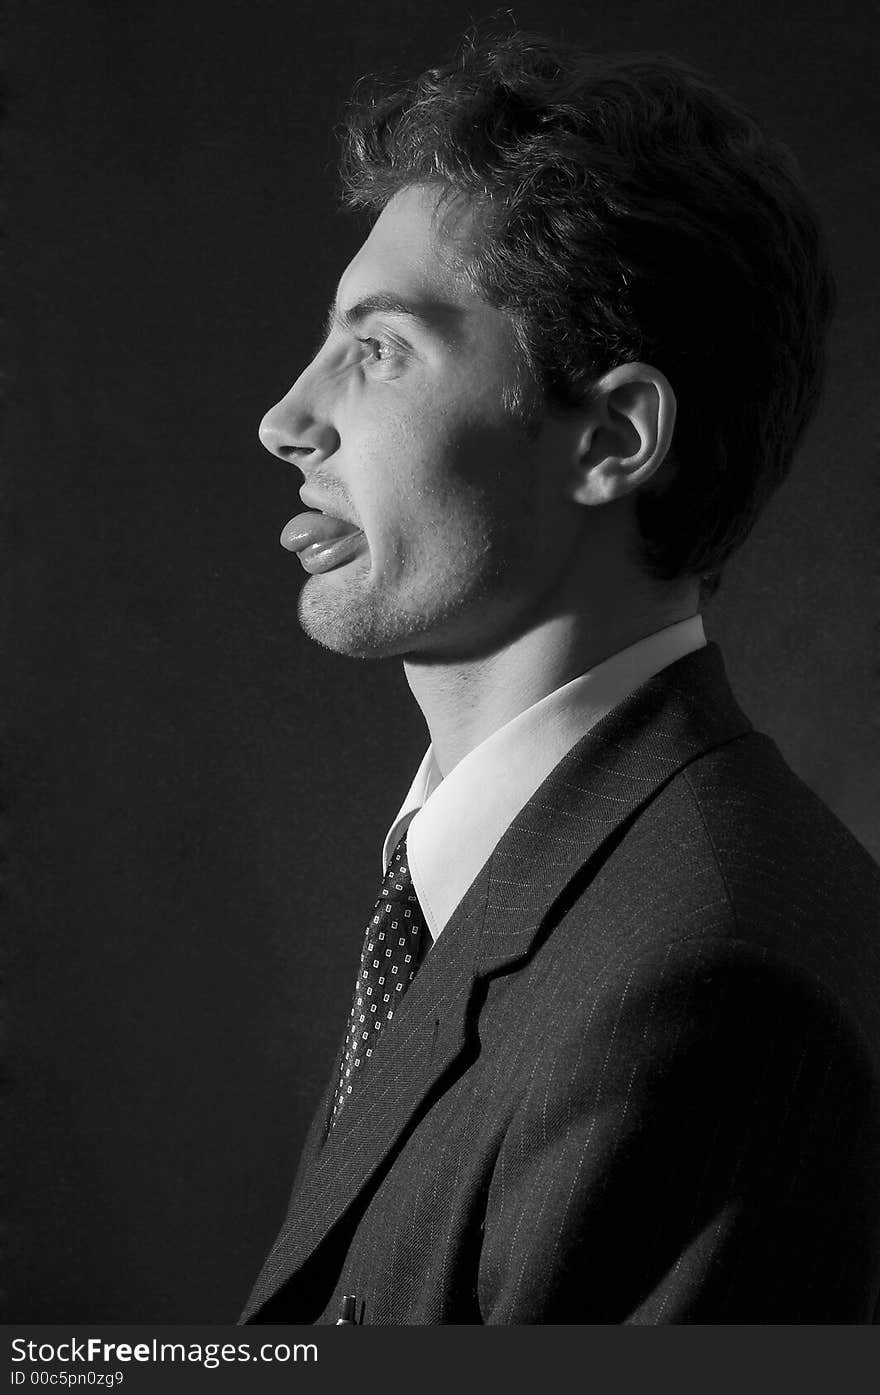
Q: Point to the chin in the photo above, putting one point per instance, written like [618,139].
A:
[443,619]
[353,624]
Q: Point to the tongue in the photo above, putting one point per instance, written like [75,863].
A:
[309,528]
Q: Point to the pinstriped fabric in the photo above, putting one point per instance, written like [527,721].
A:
[377,1115]
[637,1078]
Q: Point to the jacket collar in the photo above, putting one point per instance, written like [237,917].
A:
[600,786]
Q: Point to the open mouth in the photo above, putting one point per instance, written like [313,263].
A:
[321,541]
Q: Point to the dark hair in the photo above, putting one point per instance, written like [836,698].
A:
[628,210]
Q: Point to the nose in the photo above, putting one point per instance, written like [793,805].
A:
[293,431]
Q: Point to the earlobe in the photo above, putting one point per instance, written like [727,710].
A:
[627,434]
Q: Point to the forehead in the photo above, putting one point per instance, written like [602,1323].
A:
[417,246]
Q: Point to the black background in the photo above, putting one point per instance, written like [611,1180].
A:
[200,794]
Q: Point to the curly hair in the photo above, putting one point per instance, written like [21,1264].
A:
[627,210]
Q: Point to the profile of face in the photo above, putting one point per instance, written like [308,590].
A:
[438,525]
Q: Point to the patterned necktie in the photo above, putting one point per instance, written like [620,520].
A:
[394,946]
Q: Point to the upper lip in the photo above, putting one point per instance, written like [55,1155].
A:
[314,501]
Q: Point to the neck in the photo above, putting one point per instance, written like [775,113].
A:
[465,701]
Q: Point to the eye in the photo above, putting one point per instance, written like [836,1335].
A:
[381,358]
[380,349]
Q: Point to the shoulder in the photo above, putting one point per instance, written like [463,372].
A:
[736,862]
[793,876]
[753,806]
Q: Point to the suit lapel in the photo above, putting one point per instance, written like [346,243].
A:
[426,1035]
[603,783]
[610,775]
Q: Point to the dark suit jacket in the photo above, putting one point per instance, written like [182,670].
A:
[637,1078]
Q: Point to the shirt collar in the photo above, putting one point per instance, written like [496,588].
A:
[453,824]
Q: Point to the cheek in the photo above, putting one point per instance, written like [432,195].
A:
[441,485]
[400,464]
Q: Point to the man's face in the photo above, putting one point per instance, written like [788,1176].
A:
[438,525]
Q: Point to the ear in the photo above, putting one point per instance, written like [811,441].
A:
[627,433]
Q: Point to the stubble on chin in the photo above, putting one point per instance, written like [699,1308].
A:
[363,622]
[348,620]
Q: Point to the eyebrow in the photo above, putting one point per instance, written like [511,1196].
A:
[430,314]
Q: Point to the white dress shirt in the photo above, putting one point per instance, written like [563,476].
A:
[455,823]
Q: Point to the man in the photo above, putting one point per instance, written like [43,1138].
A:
[613,1048]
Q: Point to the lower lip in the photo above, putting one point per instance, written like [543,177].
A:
[325,556]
